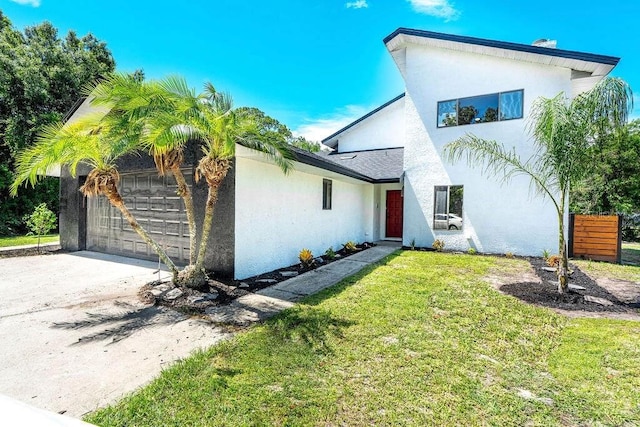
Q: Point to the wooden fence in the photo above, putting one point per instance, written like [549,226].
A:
[595,237]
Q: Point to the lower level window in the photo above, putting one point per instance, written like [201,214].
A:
[326,194]
[447,211]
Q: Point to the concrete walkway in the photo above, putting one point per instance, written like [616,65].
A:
[269,301]
[74,337]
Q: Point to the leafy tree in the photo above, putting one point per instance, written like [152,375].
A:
[612,184]
[272,128]
[467,114]
[41,221]
[490,115]
[563,132]
[159,117]
[41,77]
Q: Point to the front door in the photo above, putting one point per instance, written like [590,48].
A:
[394,213]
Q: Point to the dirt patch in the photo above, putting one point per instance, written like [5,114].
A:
[44,250]
[587,297]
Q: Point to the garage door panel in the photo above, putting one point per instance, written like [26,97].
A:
[153,202]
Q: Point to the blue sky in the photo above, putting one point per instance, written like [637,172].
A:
[317,65]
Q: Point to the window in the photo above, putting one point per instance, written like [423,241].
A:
[326,194]
[481,109]
[447,207]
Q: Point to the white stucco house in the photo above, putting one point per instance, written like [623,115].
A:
[385,179]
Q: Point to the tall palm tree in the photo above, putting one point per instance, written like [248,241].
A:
[91,142]
[562,132]
[161,110]
[219,128]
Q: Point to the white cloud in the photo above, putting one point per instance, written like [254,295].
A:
[34,3]
[438,8]
[357,4]
[319,129]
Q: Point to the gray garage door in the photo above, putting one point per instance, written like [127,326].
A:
[158,209]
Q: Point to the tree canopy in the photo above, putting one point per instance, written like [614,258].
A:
[612,182]
[41,77]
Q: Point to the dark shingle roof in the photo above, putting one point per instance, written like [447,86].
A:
[374,166]
[382,165]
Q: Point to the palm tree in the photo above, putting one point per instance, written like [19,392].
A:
[219,128]
[562,132]
[161,110]
[92,142]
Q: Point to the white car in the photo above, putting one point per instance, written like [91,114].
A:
[447,221]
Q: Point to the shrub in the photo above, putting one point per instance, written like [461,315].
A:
[472,251]
[350,246]
[306,258]
[41,221]
[554,261]
[413,244]
[509,255]
[330,253]
[438,245]
[546,254]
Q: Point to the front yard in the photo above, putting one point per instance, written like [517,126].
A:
[423,339]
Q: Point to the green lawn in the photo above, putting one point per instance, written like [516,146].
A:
[419,340]
[27,240]
[631,253]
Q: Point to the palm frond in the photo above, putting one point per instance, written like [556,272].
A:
[494,160]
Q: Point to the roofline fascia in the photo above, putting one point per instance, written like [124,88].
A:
[369,114]
[568,54]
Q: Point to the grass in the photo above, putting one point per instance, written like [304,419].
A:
[27,240]
[629,270]
[631,253]
[421,339]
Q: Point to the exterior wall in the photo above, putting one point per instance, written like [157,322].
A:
[384,129]
[278,215]
[496,218]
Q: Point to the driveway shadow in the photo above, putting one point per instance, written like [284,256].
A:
[122,324]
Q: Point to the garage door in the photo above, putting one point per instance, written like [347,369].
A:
[154,203]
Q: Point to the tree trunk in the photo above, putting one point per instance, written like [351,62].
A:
[563,267]
[185,193]
[117,202]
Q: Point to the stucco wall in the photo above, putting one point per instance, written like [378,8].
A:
[497,218]
[384,129]
[278,215]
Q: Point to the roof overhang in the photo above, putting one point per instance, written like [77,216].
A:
[596,65]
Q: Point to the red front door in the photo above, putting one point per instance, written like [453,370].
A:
[394,213]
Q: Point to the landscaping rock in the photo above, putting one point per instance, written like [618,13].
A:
[195,299]
[157,292]
[269,281]
[319,260]
[288,273]
[549,269]
[577,287]
[338,256]
[163,287]
[243,285]
[598,300]
[173,294]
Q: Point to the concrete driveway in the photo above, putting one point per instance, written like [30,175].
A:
[73,336]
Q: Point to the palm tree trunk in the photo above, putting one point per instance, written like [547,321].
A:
[212,198]
[563,268]
[118,203]
[185,193]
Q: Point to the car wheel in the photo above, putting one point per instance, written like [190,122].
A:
[453,227]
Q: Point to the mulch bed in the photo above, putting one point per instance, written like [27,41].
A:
[228,289]
[44,250]
[546,293]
